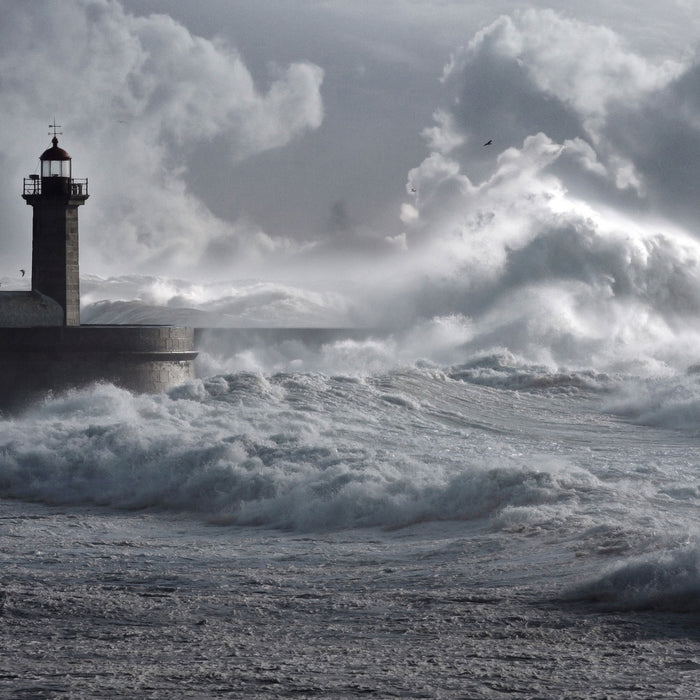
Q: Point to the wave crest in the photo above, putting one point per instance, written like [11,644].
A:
[667,581]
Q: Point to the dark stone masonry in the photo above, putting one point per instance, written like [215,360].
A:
[38,361]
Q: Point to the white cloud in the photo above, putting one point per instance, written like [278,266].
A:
[136,96]
[443,137]
[579,87]
[585,66]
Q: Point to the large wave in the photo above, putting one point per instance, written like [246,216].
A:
[567,301]
[293,451]
[317,451]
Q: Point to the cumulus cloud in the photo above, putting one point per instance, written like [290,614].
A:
[661,137]
[539,72]
[136,96]
[443,137]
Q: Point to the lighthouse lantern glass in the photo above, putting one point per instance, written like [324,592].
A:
[55,168]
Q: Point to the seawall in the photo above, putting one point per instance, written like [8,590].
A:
[147,359]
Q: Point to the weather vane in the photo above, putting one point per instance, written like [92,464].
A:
[55,126]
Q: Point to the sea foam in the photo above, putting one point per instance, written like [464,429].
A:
[292,451]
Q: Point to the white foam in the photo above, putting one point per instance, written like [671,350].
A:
[570,293]
[298,451]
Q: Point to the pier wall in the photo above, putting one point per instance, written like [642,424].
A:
[145,359]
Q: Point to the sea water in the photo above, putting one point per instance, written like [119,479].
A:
[344,522]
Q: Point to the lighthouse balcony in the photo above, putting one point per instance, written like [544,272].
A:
[75,187]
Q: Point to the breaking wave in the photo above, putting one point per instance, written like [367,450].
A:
[667,581]
[317,451]
[245,450]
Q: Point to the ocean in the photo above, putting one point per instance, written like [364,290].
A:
[342,520]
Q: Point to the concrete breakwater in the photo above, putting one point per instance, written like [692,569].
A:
[37,360]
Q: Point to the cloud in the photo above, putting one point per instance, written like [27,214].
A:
[443,137]
[572,114]
[661,136]
[539,72]
[549,68]
[137,95]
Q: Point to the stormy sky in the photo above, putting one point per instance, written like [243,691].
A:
[304,139]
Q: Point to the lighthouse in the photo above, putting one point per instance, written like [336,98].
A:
[55,197]
[44,349]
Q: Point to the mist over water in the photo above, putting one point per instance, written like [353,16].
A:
[565,297]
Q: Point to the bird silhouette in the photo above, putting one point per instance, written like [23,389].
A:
[23,272]
[489,142]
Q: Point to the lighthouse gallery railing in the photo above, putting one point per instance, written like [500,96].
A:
[78,186]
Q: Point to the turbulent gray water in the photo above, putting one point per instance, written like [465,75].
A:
[483,530]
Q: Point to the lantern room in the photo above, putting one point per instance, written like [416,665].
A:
[56,177]
[55,162]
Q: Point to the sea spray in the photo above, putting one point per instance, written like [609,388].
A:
[662,581]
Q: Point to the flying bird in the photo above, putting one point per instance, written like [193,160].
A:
[23,272]
[489,142]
